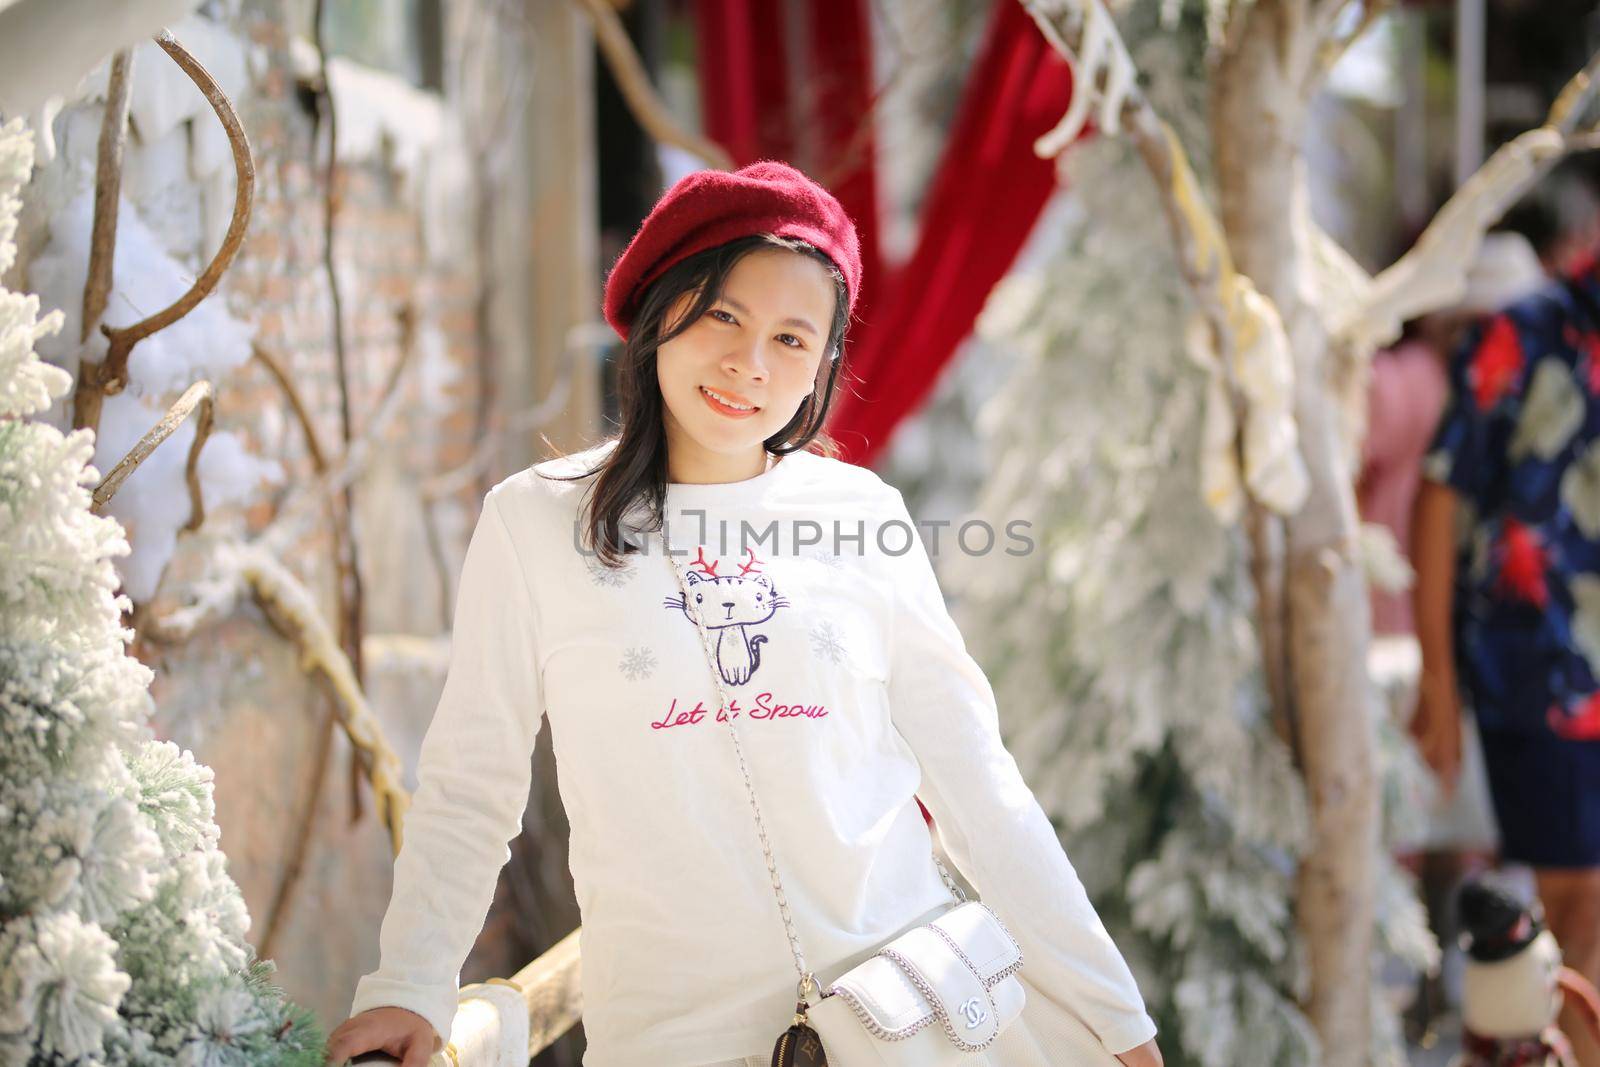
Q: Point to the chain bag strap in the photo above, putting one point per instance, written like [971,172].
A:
[800,1045]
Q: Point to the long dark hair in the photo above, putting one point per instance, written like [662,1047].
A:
[634,473]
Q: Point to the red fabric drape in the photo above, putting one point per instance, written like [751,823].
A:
[983,200]
[751,106]
[839,38]
[744,78]
[985,197]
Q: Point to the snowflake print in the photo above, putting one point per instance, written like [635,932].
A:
[638,663]
[825,642]
[607,577]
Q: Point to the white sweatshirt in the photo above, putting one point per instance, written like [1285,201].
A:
[853,694]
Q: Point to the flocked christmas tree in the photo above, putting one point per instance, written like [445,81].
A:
[121,932]
[1122,647]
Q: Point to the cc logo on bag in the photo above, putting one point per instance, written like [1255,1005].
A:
[973,1010]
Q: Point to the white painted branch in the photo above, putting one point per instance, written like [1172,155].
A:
[503,1021]
[1251,441]
[1432,275]
[1101,69]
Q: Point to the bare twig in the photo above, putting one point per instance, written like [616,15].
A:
[107,192]
[459,478]
[652,115]
[293,612]
[99,380]
[217,596]
[362,763]
[311,795]
[213,598]
[200,393]
[308,800]
[319,460]
[191,467]
[328,113]
[347,564]
[290,522]
[346,552]
[1203,254]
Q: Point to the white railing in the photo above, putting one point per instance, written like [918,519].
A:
[504,1021]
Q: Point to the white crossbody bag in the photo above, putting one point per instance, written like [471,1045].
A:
[936,995]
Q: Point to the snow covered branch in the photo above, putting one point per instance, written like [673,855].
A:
[99,380]
[293,610]
[215,597]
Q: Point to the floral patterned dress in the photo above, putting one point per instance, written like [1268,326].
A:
[1520,444]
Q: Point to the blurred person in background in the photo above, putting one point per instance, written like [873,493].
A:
[1506,545]
[1560,216]
[1406,396]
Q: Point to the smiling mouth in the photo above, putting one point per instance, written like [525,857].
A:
[726,404]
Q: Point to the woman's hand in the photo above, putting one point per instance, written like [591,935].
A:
[398,1031]
[1146,1055]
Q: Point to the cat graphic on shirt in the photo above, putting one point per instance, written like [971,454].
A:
[729,605]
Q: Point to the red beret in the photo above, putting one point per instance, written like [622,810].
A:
[711,207]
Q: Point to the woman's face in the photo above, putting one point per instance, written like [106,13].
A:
[736,377]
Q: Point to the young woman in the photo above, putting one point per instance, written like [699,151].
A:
[849,685]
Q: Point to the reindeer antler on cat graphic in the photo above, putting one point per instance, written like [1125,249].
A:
[729,604]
